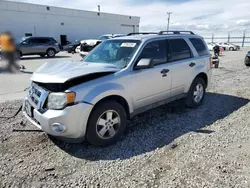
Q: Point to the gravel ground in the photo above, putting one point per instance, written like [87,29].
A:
[170,146]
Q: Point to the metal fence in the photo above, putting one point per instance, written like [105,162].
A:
[242,41]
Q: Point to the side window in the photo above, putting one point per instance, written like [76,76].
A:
[199,46]
[33,41]
[44,41]
[154,50]
[179,50]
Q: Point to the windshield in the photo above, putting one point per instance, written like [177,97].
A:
[117,52]
[22,39]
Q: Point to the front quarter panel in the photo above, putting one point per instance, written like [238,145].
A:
[94,93]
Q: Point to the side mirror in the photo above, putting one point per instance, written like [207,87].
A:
[24,43]
[144,64]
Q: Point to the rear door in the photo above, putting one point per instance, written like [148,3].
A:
[182,62]
[42,45]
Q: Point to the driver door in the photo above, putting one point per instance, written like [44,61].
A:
[25,47]
[152,85]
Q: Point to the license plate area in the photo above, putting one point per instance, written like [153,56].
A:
[28,109]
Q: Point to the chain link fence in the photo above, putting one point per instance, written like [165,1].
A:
[243,40]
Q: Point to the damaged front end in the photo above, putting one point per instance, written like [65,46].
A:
[60,87]
[51,105]
[51,83]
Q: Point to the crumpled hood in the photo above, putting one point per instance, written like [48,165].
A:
[60,72]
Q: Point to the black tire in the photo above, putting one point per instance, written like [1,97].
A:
[93,130]
[216,65]
[231,49]
[190,100]
[51,52]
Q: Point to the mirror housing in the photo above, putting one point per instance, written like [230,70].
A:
[144,64]
[24,43]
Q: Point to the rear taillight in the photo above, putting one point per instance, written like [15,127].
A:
[211,62]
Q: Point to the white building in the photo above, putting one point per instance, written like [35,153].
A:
[24,19]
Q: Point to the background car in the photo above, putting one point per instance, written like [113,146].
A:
[78,49]
[71,46]
[237,46]
[229,46]
[38,46]
[247,59]
[88,45]
[210,46]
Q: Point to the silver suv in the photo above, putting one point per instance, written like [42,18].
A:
[38,46]
[119,79]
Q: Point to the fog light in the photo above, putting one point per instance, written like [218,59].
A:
[58,128]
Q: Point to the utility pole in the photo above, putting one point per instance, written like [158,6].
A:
[244,36]
[212,37]
[34,30]
[228,39]
[169,13]
[99,10]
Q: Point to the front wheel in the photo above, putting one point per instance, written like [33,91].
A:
[106,124]
[196,93]
[231,49]
[51,53]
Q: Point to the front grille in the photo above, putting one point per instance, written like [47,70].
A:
[37,96]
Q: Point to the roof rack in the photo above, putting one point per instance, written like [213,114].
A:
[175,32]
[142,33]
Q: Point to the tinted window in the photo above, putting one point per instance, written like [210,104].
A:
[33,41]
[44,41]
[199,46]
[154,50]
[179,50]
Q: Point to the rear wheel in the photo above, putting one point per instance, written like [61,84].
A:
[216,65]
[196,93]
[106,124]
[51,53]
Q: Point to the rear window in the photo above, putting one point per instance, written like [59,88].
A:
[179,50]
[199,46]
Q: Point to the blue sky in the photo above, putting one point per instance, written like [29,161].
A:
[202,16]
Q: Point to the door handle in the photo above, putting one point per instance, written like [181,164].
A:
[191,64]
[164,72]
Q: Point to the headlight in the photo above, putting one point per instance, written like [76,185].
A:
[57,101]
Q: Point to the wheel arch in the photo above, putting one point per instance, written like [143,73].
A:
[50,48]
[203,76]
[119,99]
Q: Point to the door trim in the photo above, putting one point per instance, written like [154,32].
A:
[154,105]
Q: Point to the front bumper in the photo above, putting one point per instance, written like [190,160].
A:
[73,118]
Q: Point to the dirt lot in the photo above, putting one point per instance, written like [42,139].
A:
[170,146]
